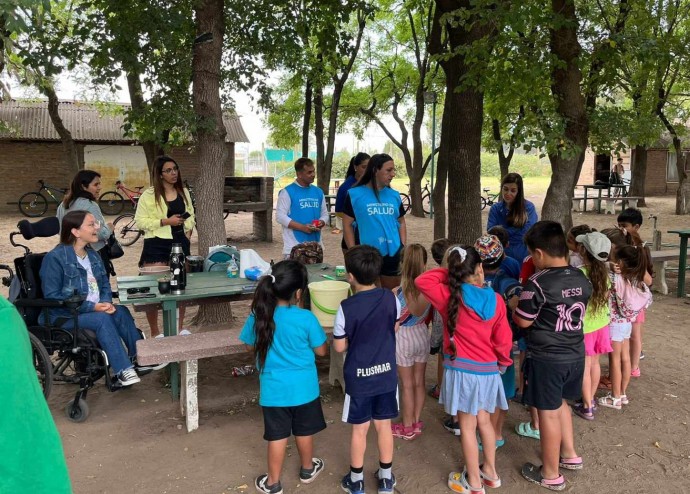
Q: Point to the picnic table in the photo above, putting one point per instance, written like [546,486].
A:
[202,288]
[682,260]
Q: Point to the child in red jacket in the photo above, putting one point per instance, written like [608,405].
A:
[476,346]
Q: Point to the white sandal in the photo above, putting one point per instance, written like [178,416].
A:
[609,401]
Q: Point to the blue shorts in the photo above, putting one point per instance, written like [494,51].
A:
[360,410]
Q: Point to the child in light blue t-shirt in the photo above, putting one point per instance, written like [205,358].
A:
[284,339]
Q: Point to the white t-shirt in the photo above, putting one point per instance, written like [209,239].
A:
[94,293]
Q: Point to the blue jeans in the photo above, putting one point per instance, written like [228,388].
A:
[111,330]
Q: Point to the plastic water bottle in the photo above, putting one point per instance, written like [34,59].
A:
[233,270]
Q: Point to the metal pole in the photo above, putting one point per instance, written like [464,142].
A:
[433,147]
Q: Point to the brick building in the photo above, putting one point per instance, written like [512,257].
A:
[31,150]
[661,178]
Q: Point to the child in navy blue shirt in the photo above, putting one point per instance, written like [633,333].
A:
[365,326]
[284,339]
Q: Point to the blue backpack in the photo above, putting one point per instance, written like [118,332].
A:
[219,257]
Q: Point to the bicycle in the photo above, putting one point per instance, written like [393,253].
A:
[489,199]
[125,229]
[35,204]
[112,203]
[426,199]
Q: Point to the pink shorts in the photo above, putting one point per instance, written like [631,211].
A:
[641,316]
[598,342]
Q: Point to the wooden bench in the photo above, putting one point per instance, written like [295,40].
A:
[626,201]
[189,349]
[254,195]
[659,259]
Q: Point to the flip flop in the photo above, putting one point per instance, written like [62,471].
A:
[571,463]
[532,473]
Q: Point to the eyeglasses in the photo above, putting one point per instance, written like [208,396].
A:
[170,170]
[143,289]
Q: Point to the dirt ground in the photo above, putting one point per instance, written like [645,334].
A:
[135,441]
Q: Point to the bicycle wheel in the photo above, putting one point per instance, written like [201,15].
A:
[426,204]
[126,230]
[405,199]
[33,204]
[111,203]
[483,202]
[43,365]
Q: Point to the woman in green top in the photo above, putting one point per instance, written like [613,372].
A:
[31,451]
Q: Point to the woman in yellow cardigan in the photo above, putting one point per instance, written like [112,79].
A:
[166,215]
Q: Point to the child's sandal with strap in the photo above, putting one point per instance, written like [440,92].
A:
[609,401]
[457,482]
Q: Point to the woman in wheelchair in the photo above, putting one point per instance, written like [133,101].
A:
[72,267]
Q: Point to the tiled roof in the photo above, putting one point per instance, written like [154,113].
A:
[29,120]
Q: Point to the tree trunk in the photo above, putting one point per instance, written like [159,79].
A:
[68,144]
[638,172]
[306,125]
[324,173]
[321,179]
[460,147]
[438,197]
[136,97]
[683,192]
[210,139]
[570,106]
[416,168]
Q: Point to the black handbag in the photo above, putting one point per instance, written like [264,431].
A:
[114,248]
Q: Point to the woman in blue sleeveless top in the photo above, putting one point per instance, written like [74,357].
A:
[380,216]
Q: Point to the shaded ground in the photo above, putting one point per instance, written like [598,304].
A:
[135,441]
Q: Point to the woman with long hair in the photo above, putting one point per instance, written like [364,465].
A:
[83,195]
[73,266]
[284,339]
[514,213]
[166,215]
[380,216]
[358,165]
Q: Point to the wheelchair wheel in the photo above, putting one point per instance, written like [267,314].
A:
[43,365]
[77,412]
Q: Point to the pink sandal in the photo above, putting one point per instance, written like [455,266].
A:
[532,473]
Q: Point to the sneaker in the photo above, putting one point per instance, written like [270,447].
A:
[452,426]
[352,487]
[307,476]
[184,332]
[635,372]
[128,377]
[159,335]
[386,485]
[261,485]
[641,355]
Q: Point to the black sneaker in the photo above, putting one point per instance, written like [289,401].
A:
[261,485]
[452,426]
[352,487]
[308,476]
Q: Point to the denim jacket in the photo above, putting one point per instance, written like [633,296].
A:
[61,274]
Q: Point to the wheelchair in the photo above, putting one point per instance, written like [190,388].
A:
[59,355]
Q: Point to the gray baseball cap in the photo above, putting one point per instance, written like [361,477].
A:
[596,244]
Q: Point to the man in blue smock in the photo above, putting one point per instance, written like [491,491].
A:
[301,208]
